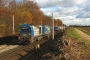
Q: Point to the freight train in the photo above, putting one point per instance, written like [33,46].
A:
[31,33]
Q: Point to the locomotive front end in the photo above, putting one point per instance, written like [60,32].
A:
[25,33]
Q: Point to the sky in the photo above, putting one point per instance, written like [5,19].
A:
[71,12]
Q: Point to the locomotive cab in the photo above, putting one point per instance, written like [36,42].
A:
[25,33]
[46,31]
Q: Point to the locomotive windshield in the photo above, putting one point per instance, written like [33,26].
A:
[25,30]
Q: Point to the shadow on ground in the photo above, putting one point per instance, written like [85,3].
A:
[9,40]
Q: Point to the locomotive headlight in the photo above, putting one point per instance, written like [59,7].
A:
[29,34]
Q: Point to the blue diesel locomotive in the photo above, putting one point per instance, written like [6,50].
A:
[30,33]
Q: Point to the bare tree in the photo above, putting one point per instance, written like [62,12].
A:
[12,5]
[4,3]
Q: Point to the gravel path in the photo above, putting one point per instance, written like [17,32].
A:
[84,35]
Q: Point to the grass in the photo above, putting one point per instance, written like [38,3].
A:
[73,33]
[87,32]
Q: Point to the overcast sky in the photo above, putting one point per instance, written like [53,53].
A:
[69,11]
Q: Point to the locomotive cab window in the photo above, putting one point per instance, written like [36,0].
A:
[24,29]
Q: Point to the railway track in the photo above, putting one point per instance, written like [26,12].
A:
[18,52]
[48,47]
[6,48]
[30,51]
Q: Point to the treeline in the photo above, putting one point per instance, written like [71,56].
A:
[25,12]
[79,25]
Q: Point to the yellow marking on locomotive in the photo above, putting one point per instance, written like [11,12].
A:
[48,28]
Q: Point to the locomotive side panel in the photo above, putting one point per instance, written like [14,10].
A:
[37,33]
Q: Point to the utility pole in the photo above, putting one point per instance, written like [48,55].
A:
[52,27]
[62,27]
[13,25]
